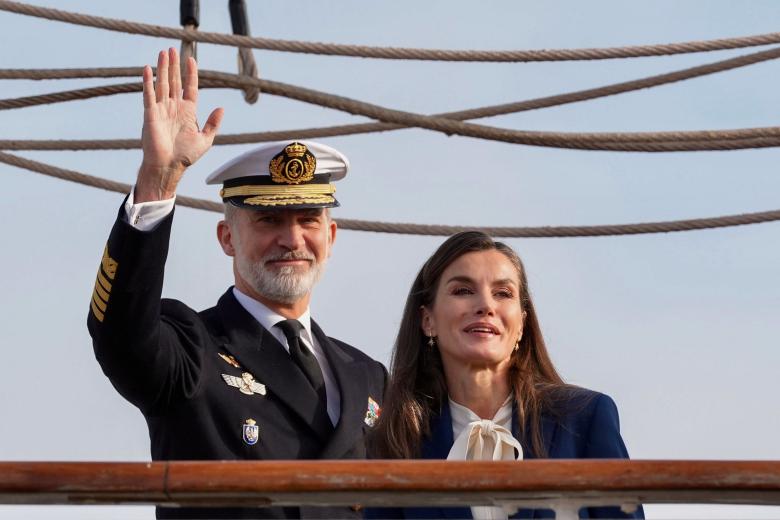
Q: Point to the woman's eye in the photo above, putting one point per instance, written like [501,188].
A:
[458,291]
[504,294]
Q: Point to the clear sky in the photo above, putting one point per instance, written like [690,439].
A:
[677,328]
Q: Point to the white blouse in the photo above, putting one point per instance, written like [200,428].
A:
[484,439]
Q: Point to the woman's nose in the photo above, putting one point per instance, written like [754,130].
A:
[485,305]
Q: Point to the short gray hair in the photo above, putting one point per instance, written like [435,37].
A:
[231,211]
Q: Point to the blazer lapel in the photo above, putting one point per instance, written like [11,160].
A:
[548,432]
[264,357]
[352,381]
[549,428]
[438,446]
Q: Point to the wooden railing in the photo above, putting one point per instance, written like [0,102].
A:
[563,485]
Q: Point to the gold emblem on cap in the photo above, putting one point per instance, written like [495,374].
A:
[293,165]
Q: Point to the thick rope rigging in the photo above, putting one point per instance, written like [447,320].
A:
[86,93]
[426,229]
[673,141]
[450,123]
[393,53]
[490,111]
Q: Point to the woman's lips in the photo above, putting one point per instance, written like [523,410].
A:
[481,329]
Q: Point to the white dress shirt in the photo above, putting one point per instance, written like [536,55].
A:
[484,439]
[268,319]
[145,216]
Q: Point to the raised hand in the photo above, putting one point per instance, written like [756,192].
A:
[171,138]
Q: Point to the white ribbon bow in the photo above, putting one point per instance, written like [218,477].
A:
[485,440]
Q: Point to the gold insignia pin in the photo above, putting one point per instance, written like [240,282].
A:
[230,360]
[246,384]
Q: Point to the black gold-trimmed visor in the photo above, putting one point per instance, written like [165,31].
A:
[261,193]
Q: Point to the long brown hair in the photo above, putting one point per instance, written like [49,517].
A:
[417,388]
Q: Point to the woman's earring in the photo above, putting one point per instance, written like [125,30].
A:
[517,346]
[432,341]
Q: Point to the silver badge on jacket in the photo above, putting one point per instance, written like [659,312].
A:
[251,432]
[246,384]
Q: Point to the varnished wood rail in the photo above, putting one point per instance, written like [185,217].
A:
[559,484]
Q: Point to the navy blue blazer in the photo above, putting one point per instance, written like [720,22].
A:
[585,427]
[171,362]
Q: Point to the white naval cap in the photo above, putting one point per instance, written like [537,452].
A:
[282,175]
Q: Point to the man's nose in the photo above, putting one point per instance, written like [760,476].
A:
[291,237]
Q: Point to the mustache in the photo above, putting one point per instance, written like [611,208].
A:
[289,255]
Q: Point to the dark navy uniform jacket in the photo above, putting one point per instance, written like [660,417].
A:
[585,427]
[165,358]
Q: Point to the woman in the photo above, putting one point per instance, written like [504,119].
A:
[471,377]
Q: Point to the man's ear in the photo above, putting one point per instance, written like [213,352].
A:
[332,227]
[225,237]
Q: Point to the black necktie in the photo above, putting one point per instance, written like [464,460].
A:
[304,358]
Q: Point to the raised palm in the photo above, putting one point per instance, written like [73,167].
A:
[171,139]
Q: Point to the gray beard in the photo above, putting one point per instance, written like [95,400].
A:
[285,285]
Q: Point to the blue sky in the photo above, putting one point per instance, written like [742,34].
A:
[680,329]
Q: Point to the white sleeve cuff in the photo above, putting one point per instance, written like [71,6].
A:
[145,216]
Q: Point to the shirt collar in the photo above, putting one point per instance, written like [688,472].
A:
[462,416]
[268,318]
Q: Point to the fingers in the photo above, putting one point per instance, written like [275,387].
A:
[212,124]
[162,76]
[148,88]
[174,73]
[191,80]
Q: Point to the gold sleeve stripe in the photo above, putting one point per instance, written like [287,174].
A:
[99,315]
[101,292]
[105,274]
[105,283]
[109,264]
[97,301]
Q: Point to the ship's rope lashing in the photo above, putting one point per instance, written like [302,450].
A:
[246,60]
[427,229]
[209,80]
[189,16]
[613,141]
[450,123]
[390,53]
[97,182]
[673,141]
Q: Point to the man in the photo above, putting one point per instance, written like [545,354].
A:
[253,377]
